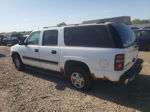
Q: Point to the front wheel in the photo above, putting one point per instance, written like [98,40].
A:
[18,63]
[80,78]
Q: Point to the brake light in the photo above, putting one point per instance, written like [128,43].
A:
[119,62]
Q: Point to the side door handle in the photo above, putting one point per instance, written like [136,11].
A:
[53,52]
[36,50]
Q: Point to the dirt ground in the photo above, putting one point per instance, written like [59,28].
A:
[32,91]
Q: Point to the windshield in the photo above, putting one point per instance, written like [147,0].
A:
[125,33]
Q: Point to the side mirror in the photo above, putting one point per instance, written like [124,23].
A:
[22,42]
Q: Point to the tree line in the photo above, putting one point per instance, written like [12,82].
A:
[28,32]
[139,21]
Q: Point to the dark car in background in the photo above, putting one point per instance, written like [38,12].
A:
[143,38]
[147,27]
[2,38]
[134,28]
[12,39]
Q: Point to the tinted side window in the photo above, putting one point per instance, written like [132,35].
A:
[87,36]
[50,38]
[33,39]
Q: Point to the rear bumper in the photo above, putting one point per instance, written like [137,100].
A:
[130,75]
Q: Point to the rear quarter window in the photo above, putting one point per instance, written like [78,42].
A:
[87,36]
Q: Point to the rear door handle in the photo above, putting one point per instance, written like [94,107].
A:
[36,50]
[53,52]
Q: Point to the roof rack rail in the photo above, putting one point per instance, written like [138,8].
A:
[72,25]
[49,27]
[100,22]
[61,26]
[76,24]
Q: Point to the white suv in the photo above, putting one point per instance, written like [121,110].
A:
[83,52]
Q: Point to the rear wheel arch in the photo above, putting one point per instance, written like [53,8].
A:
[71,63]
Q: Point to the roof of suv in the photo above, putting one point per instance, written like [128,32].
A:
[72,25]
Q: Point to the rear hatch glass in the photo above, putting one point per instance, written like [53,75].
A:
[123,33]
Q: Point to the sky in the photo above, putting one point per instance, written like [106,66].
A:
[25,15]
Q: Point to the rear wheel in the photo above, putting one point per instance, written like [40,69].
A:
[18,63]
[80,78]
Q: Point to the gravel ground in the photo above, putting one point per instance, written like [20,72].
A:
[32,91]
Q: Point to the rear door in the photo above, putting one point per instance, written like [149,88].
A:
[49,50]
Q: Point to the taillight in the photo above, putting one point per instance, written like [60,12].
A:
[119,62]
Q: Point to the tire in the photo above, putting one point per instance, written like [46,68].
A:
[17,62]
[80,78]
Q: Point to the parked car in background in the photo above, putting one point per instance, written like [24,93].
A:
[24,37]
[12,39]
[143,38]
[1,39]
[146,27]
[83,52]
[134,28]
